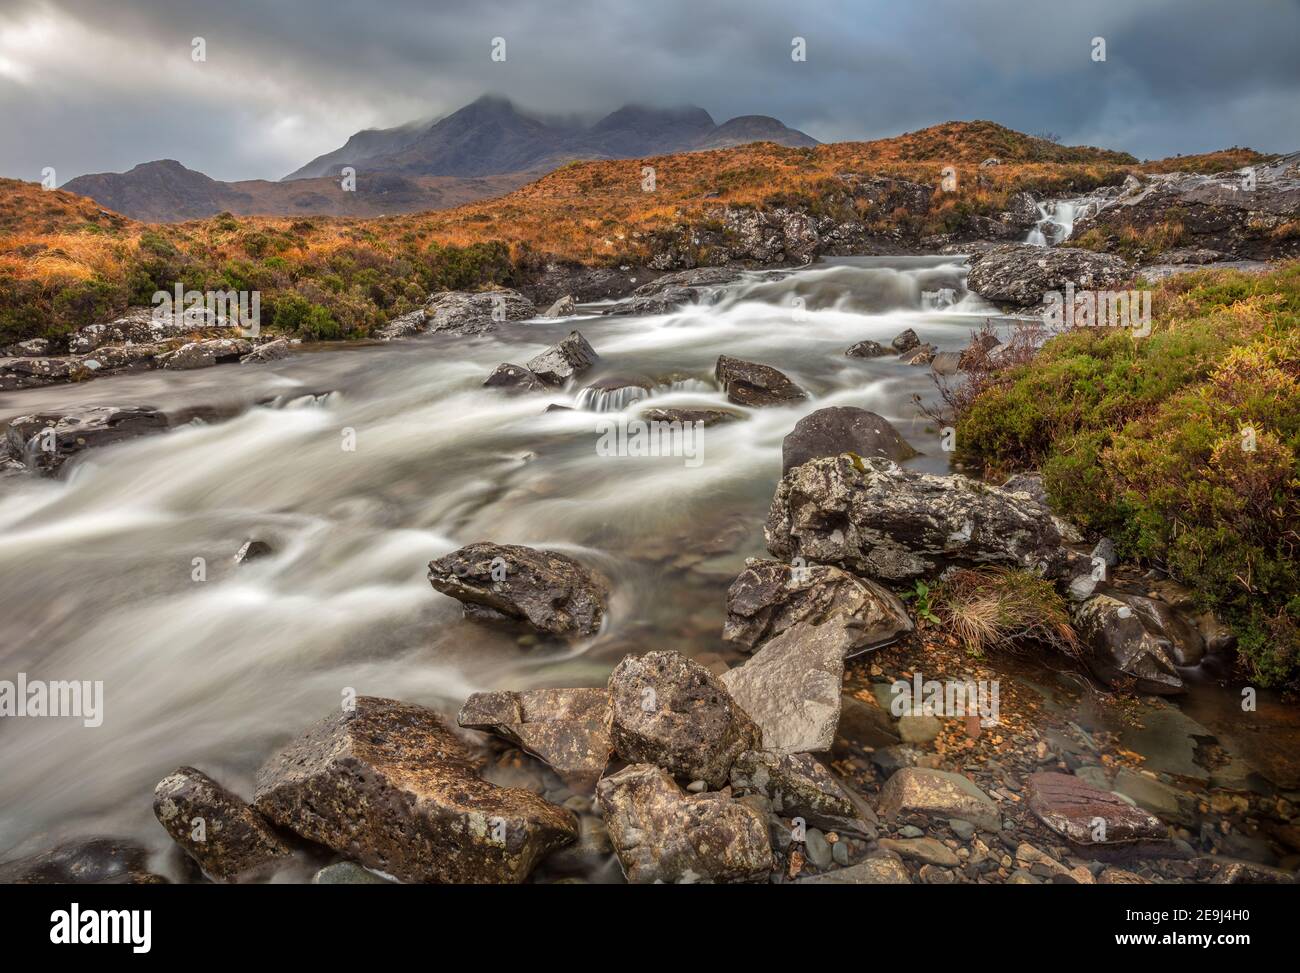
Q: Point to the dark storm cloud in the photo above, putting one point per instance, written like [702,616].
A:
[94,85]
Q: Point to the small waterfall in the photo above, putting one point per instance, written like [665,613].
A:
[943,298]
[1056,220]
[596,399]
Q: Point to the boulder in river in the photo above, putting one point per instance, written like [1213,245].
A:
[749,383]
[390,786]
[461,312]
[710,417]
[567,729]
[920,355]
[98,860]
[905,341]
[842,429]
[562,308]
[662,834]
[1021,275]
[222,833]
[791,686]
[672,712]
[546,591]
[938,794]
[516,378]
[1123,645]
[867,349]
[267,352]
[45,441]
[1091,820]
[564,360]
[877,519]
[770,596]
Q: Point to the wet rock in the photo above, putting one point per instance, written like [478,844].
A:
[791,686]
[1091,820]
[205,354]
[674,713]
[938,794]
[460,312]
[548,592]
[921,355]
[1161,799]
[928,851]
[1020,275]
[225,836]
[919,728]
[564,360]
[882,870]
[710,417]
[84,861]
[905,341]
[567,729]
[1122,647]
[877,519]
[864,724]
[751,384]
[252,550]
[348,873]
[797,786]
[590,852]
[562,308]
[268,352]
[946,363]
[867,349]
[45,441]
[842,429]
[675,290]
[389,785]
[769,597]
[515,378]
[662,834]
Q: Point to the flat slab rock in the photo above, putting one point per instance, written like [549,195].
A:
[752,384]
[1087,817]
[877,519]
[662,834]
[221,832]
[45,441]
[769,597]
[938,794]
[672,712]
[791,687]
[567,729]
[1021,275]
[545,591]
[388,785]
[842,429]
[881,870]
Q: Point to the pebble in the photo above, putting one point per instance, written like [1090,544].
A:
[817,848]
[911,831]
[962,829]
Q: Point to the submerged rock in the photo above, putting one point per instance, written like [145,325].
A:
[674,713]
[567,729]
[222,833]
[564,360]
[46,440]
[546,591]
[390,786]
[751,384]
[842,429]
[882,521]
[769,597]
[1090,819]
[662,834]
[938,794]
[791,686]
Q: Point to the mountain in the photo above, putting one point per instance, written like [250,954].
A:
[491,136]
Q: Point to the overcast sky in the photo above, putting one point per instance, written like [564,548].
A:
[101,85]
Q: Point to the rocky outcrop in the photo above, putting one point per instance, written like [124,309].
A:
[1126,646]
[205,354]
[390,786]
[675,290]
[798,787]
[769,597]
[661,834]
[460,312]
[674,713]
[223,834]
[751,384]
[141,326]
[562,308]
[842,429]
[46,440]
[567,729]
[548,592]
[1091,820]
[268,352]
[791,687]
[938,794]
[564,360]
[877,519]
[1020,275]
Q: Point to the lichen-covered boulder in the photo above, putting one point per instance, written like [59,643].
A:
[388,785]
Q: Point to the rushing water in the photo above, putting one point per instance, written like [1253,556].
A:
[97,570]
[1056,219]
